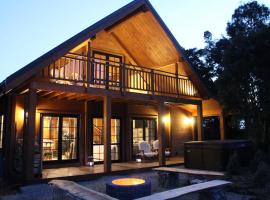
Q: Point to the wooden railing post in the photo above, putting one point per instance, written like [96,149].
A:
[107,69]
[122,78]
[152,82]
[176,76]
[89,78]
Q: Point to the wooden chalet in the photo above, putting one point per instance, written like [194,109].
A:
[120,81]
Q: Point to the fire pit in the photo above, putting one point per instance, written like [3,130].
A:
[128,188]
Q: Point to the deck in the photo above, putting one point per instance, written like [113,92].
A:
[90,72]
[68,172]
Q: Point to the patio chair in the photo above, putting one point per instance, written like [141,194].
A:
[146,151]
[156,147]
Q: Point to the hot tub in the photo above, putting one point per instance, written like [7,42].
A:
[214,155]
[128,188]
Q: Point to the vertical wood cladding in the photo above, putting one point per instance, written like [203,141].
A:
[180,132]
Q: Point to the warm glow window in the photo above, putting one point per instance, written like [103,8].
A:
[59,138]
[1,130]
[143,130]
[98,146]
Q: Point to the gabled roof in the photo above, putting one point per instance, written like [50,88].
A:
[32,68]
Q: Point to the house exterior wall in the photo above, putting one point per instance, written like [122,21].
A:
[180,131]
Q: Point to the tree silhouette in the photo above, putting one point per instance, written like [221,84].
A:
[239,66]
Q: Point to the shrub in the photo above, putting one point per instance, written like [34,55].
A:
[257,159]
[261,176]
[233,167]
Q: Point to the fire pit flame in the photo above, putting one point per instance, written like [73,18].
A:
[128,188]
[128,181]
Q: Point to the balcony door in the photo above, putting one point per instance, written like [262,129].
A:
[59,138]
[106,67]
[98,145]
[143,130]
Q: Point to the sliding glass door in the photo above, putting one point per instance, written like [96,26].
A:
[143,130]
[98,146]
[59,138]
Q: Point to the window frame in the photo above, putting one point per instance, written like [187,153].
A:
[60,137]
[90,140]
[144,126]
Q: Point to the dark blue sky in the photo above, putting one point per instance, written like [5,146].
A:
[30,28]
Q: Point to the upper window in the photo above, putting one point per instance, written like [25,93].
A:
[1,130]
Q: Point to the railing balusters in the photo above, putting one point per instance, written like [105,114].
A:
[117,76]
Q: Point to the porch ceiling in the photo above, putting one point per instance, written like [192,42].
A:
[69,96]
[82,97]
[146,41]
[211,107]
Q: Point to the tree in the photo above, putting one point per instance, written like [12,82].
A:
[240,65]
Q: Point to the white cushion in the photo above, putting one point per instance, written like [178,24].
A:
[144,146]
[156,145]
[150,154]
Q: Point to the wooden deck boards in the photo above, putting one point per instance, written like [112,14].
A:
[99,169]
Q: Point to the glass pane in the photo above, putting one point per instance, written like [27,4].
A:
[115,131]
[97,131]
[98,153]
[137,135]
[115,152]
[69,138]
[98,147]
[50,138]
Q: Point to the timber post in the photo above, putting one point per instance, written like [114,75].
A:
[107,133]
[161,134]
[29,135]
[200,121]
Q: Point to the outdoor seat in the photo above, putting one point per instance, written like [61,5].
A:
[146,151]
[156,148]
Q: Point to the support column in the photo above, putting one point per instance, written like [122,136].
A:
[161,134]
[200,121]
[29,135]
[107,133]
[9,132]
[222,126]
[85,138]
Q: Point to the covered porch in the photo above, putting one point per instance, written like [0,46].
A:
[54,100]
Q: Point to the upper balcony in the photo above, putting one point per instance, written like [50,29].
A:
[112,74]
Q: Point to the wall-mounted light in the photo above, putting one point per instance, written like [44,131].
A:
[26,115]
[21,111]
[189,121]
[166,119]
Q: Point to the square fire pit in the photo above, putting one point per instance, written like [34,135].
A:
[128,188]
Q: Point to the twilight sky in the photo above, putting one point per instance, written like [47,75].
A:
[30,28]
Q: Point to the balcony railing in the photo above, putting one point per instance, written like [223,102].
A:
[74,69]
